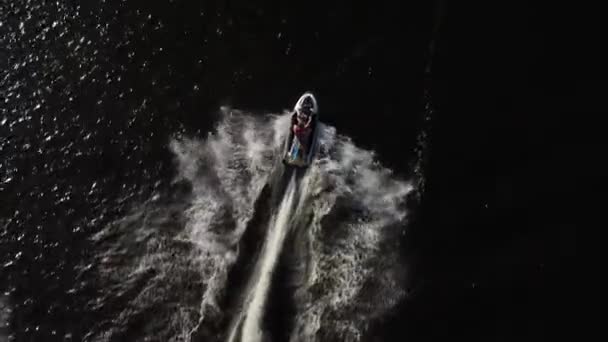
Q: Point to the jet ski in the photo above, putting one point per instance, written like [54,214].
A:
[303,132]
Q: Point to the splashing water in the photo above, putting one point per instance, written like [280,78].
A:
[251,328]
[167,266]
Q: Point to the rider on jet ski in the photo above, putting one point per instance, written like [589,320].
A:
[302,128]
[301,141]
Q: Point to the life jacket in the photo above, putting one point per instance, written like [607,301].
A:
[301,132]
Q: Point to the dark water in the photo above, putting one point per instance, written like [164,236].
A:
[92,95]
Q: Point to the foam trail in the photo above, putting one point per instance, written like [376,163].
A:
[251,327]
[165,268]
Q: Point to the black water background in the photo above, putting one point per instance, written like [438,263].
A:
[477,271]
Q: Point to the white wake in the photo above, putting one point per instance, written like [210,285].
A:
[252,325]
[174,255]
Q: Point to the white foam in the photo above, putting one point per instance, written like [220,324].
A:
[228,170]
[252,330]
[350,177]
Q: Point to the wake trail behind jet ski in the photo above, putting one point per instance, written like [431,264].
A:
[251,318]
[244,242]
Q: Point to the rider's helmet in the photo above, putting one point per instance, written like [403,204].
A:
[307,105]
